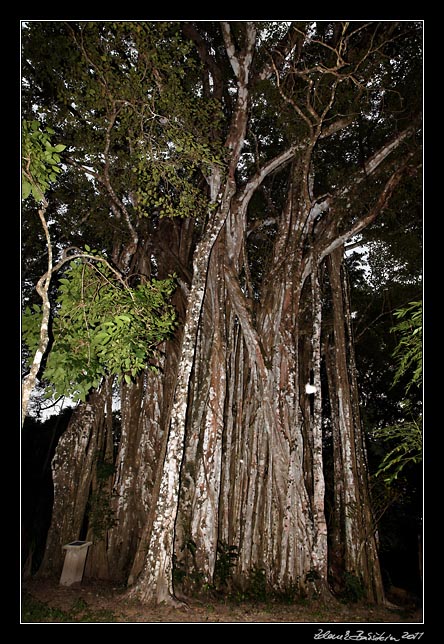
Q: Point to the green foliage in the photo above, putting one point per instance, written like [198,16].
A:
[405,437]
[186,572]
[226,558]
[408,352]
[101,327]
[354,588]
[251,587]
[40,159]
[168,190]
[104,469]
[179,571]
[176,150]
[290,594]
[257,584]
[312,576]
[407,440]
[162,138]
[34,610]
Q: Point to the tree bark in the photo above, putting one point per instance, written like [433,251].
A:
[72,468]
[197,524]
[135,468]
[156,580]
[266,500]
[359,547]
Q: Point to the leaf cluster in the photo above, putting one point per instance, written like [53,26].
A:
[40,159]
[408,351]
[227,556]
[172,160]
[101,327]
[407,440]
[406,436]
[128,95]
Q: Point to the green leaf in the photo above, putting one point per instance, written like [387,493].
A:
[101,328]
[26,189]
[102,337]
[59,147]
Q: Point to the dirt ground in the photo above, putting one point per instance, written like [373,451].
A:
[99,602]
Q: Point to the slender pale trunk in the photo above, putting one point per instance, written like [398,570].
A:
[368,548]
[43,290]
[158,447]
[320,526]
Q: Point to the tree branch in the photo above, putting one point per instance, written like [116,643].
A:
[244,315]
[107,182]
[42,289]
[374,161]
[337,125]
[193,34]
[241,63]
[267,169]
[322,204]
[380,205]
[281,52]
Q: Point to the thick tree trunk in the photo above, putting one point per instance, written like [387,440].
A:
[359,546]
[99,514]
[153,456]
[156,581]
[272,486]
[73,467]
[135,468]
[145,412]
